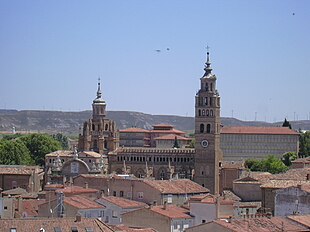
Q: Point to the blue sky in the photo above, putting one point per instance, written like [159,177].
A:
[52,52]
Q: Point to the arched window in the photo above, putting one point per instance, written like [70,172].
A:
[206,101]
[202,128]
[211,87]
[211,113]
[208,128]
[199,112]
[207,112]
[93,127]
[207,87]
[105,144]
[106,127]
[203,112]
[211,101]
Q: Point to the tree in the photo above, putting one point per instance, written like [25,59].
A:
[304,144]
[39,145]
[288,158]
[286,124]
[14,152]
[270,164]
[62,139]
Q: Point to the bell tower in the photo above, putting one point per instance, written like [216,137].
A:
[208,155]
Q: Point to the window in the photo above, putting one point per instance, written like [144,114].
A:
[106,127]
[74,229]
[140,195]
[207,87]
[199,114]
[13,230]
[114,214]
[121,193]
[207,113]
[88,229]
[203,112]
[206,101]
[203,221]
[208,128]
[114,193]
[5,207]
[211,113]
[202,128]
[211,87]
[169,199]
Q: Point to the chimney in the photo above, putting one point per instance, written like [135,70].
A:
[78,218]
[165,205]
[86,185]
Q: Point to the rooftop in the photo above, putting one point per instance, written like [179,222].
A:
[128,150]
[277,184]
[124,228]
[171,211]
[133,130]
[19,169]
[81,202]
[76,190]
[172,137]
[122,202]
[210,199]
[50,224]
[259,130]
[179,186]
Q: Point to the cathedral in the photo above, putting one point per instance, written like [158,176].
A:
[201,164]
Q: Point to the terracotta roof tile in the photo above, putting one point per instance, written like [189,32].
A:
[163,125]
[172,137]
[180,186]
[258,130]
[274,224]
[49,224]
[133,130]
[301,219]
[76,190]
[122,202]
[30,207]
[293,174]
[172,131]
[124,228]
[171,211]
[233,164]
[81,202]
[19,169]
[276,184]
[210,199]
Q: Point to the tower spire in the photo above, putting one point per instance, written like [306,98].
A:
[99,94]
[208,68]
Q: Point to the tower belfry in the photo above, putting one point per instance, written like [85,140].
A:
[208,154]
[99,132]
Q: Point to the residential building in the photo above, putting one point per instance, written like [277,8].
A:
[116,206]
[262,224]
[164,218]
[229,172]
[293,200]
[54,224]
[206,208]
[241,143]
[26,177]
[301,163]
[208,155]
[64,206]
[248,187]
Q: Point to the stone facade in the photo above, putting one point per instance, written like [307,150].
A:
[99,133]
[208,155]
[153,162]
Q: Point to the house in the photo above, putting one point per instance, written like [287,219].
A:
[54,224]
[230,171]
[292,200]
[163,218]
[26,177]
[116,206]
[247,209]
[77,190]
[263,224]
[149,191]
[248,187]
[206,208]
[64,206]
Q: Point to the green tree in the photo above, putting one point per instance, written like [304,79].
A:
[11,136]
[62,139]
[304,144]
[14,152]
[39,145]
[270,164]
[289,157]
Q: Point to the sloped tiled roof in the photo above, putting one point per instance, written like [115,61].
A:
[210,199]
[133,130]
[19,169]
[122,202]
[49,224]
[276,184]
[179,186]
[172,137]
[76,190]
[30,207]
[258,130]
[293,174]
[124,228]
[171,211]
[274,224]
[301,219]
[15,191]
[81,202]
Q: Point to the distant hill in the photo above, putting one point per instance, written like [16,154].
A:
[70,122]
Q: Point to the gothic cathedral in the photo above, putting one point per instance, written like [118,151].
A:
[208,155]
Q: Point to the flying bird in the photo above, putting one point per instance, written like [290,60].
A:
[158,50]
